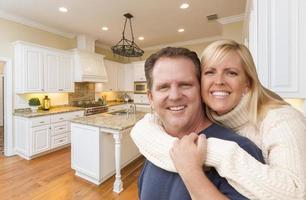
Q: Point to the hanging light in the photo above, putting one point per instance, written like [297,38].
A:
[125,47]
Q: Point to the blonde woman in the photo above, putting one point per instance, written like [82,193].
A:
[235,98]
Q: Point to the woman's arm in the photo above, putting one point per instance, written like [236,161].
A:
[283,175]
[153,142]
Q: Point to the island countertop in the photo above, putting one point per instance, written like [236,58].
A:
[105,120]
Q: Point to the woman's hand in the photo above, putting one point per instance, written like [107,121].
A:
[189,153]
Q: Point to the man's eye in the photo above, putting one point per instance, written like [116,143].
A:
[162,88]
[186,86]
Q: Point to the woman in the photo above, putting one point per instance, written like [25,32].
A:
[235,98]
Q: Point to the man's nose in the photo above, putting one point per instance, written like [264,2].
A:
[174,93]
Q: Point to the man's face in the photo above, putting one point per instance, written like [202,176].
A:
[175,95]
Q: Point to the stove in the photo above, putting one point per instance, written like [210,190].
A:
[93,108]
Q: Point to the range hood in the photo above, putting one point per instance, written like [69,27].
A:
[89,66]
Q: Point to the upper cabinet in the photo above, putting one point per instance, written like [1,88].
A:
[276,38]
[139,73]
[120,77]
[42,69]
[89,67]
[126,78]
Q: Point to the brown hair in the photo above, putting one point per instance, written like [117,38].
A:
[171,52]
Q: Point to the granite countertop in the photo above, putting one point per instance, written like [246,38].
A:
[105,120]
[55,110]
[115,103]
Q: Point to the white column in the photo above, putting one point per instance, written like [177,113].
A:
[118,186]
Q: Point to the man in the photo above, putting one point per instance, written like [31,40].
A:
[173,78]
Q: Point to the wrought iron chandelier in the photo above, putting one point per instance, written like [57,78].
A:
[125,47]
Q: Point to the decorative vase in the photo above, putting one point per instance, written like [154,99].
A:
[34,108]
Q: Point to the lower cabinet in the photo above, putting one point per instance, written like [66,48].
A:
[37,135]
[40,139]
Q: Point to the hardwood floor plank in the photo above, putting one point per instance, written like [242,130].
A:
[50,177]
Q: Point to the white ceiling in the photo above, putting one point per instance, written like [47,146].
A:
[156,20]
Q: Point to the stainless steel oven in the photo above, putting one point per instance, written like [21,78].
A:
[140,87]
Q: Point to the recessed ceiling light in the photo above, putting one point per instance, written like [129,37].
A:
[180,30]
[184,6]
[104,28]
[63,9]
[140,38]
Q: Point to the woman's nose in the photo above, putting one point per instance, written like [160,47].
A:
[219,79]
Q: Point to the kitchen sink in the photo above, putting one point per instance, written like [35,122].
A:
[121,112]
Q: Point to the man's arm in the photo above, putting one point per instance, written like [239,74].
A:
[188,162]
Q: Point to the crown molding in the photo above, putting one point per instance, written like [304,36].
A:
[184,43]
[34,24]
[231,19]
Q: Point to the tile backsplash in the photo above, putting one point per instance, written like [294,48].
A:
[82,92]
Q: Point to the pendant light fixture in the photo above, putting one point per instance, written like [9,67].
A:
[125,47]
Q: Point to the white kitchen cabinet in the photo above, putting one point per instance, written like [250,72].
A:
[37,135]
[28,69]
[42,69]
[139,73]
[126,77]
[40,139]
[51,68]
[277,41]
[141,99]
[66,73]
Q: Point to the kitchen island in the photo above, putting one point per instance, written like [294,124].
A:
[101,145]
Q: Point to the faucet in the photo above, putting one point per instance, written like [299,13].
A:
[131,109]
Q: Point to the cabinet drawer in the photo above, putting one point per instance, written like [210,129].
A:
[141,99]
[39,121]
[59,128]
[59,140]
[59,118]
[72,115]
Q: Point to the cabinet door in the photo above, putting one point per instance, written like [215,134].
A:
[51,71]
[33,62]
[139,74]
[126,78]
[276,42]
[65,75]
[112,71]
[40,139]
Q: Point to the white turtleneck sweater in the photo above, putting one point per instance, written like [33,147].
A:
[281,137]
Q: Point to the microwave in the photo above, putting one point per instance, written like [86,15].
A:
[140,87]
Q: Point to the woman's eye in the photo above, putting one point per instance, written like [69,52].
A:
[232,73]
[208,72]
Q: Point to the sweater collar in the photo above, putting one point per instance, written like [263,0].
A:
[237,117]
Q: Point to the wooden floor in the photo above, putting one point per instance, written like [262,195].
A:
[50,177]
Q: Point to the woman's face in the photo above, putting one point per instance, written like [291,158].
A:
[224,84]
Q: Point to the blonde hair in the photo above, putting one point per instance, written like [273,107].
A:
[261,99]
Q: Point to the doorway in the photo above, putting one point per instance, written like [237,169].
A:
[6,101]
